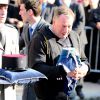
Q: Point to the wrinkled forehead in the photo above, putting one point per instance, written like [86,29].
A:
[66,19]
[64,16]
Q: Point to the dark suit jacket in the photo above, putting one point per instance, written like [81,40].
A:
[44,52]
[25,34]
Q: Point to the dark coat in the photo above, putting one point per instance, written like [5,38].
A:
[94,17]
[44,52]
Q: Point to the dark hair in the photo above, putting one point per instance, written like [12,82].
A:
[63,10]
[35,5]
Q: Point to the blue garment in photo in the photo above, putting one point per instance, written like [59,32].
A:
[70,59]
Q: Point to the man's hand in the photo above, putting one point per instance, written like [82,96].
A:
[74,75]
[98,25]
[82,71]
[79,72]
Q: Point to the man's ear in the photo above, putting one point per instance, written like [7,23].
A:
[30,12]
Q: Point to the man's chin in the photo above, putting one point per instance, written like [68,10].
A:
[2,21]
[64,36]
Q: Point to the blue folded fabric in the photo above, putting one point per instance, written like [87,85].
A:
[20,76]
[70,59]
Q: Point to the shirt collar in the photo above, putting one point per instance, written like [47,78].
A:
[34,25]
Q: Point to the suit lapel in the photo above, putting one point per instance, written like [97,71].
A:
[26,33]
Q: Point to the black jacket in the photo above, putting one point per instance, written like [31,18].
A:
[94,17]
[44,52]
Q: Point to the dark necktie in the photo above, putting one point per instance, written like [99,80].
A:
[30,32]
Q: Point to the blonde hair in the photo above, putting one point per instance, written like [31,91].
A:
[63,10]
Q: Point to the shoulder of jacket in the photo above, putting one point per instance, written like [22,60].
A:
[44,30]
[74,34]
[10,26]
[41,33]
[26,25]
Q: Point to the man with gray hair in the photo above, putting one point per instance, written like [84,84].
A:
[44,52]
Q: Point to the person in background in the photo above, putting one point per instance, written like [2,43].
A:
[88,29]
[87,9]
[91,17]
[30,11]
[47,13]
[94,4]
[94,22]
[44,4]
[44,52]
[13,16]
[9,36]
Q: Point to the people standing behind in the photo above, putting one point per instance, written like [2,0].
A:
[13,16]
[94,22]
[89,6]
[30,11]
[57,2]
[87,9]
[88,29]
[94,4]
[44,52]
[48,12]
[9,36]
[44,4]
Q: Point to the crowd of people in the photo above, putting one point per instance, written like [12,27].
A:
[40,29]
